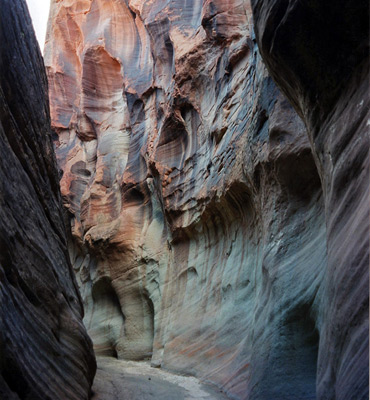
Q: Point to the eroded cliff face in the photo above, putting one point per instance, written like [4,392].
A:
[45,352]
[328,83]
[196,207]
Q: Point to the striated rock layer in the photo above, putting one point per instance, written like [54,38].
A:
[328,83]
[45,352]
[196,206]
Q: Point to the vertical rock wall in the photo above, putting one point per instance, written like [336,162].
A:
[45,352]
[324,71]
[196,207]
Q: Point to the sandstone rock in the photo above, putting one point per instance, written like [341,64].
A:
[131,380]
[45,352]
[195,203]
[324,71]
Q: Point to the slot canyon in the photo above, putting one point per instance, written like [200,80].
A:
[184,200]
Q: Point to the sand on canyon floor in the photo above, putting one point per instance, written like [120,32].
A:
[130,380]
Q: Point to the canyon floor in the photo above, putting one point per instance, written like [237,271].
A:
[130,380]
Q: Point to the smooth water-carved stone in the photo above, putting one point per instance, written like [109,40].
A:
[45,352]
[193,193]
[324,72]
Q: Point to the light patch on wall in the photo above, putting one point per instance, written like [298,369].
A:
[39,10]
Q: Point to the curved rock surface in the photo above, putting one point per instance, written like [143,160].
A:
[195,203]
[324,72]
[45,352]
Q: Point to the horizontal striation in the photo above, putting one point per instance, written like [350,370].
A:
[198,212]
[45,350]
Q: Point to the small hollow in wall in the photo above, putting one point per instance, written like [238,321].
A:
[136,343]
[107,320]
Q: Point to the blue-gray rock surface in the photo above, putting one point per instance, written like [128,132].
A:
[318,53]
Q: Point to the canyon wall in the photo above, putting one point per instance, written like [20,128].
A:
[324,72]
[45,352]
[198,226]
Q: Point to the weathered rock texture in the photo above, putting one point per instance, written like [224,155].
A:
[196,207]
[324,71]
[45,352]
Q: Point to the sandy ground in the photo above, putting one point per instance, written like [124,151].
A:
[129,380]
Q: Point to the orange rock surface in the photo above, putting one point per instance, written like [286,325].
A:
[198,235]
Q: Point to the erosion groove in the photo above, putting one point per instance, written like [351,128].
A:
[329,86]
[195,195]
[45,352]
[214,173]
